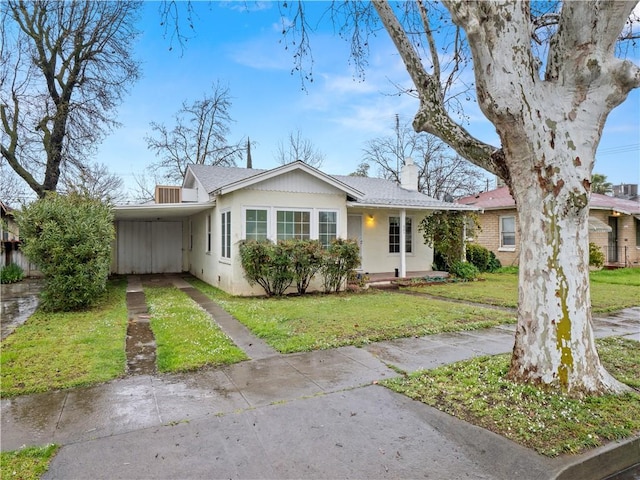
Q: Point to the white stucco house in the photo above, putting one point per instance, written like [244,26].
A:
[197,227]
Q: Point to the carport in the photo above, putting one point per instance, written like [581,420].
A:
[152,238]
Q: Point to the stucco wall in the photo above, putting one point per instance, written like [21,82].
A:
[375,242]
[228,275]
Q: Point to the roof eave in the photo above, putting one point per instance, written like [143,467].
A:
[452,207]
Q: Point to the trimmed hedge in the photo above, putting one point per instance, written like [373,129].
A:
[275,267]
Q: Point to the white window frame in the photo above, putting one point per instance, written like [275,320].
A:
[208,233]
[317,213]
[244,220]
[225,235]
[272,220]
[506,248]
[408,235]
[310,211]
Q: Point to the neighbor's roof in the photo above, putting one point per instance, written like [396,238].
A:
[364,191]
[500,198]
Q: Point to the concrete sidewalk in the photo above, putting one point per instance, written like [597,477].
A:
[309,415]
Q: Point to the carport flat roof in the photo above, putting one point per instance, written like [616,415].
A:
[154,211]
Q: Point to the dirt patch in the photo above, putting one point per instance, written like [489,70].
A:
[141,347]
[141,343]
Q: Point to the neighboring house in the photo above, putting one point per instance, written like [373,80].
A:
[198,227]
[614,226]
[10,247]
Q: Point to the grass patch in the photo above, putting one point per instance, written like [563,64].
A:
[63,350]
[26,464]
[186,336]
[618,276]
[609,292]
[477,392]
[621,356]
[313,322]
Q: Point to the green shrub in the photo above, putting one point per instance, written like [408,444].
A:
[596,257]
[276,266]
[340,260]
[11,273]
[306,260]
[482,258]
[69,238]
[494,264]
[445,232]
[268,265]
[464,270]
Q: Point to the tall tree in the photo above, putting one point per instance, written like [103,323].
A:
[64,68]
[198,137]
[297,147]
[549,107]
[92,181]
[441,172]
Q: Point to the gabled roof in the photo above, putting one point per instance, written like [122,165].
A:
[500,199]
[362,191]
[262,175]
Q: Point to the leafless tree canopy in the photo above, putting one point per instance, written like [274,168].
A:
[65,67]
[199,137]
[93,180]
[297,147]
[440,172]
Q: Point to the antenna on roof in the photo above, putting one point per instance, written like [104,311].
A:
[249,161]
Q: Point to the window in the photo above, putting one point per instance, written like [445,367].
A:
[637,220]
[226,235]
[327,227]
[394,235]
[256,224]
[208,233]
[293,224]
[190,235]
[507,232]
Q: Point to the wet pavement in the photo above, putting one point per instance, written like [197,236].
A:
[308,415]
[18,301]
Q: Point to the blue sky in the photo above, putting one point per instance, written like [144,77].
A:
[244,51]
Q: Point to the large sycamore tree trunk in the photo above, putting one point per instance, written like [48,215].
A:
[549,124]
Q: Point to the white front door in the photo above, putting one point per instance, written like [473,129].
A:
[354,230]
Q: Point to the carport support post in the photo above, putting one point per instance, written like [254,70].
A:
[403,246]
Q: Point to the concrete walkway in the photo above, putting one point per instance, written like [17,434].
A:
[308,415]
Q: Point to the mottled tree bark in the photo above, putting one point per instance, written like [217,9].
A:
[549,125]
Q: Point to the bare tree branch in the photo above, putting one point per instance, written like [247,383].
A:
[66,66]
[198,137]
[296,148]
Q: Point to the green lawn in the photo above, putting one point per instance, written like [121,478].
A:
[63,350]
[611,290]
[312,322]
[186,336]
[27,464]
[477,392]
